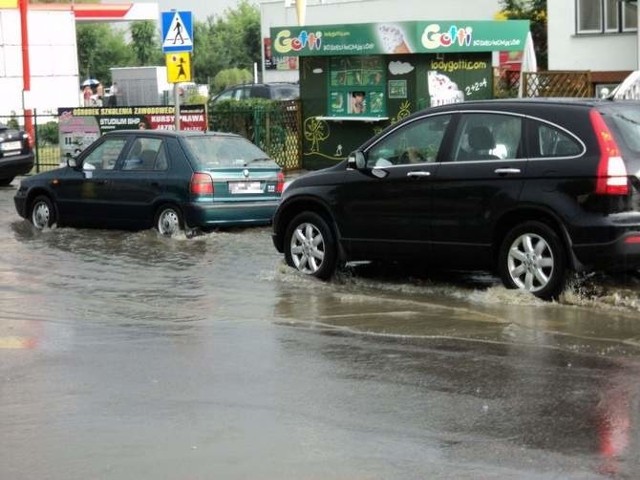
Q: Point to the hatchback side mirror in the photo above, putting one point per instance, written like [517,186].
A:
[72,162]
[356,160]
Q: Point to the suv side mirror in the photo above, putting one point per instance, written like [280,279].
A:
[356,160]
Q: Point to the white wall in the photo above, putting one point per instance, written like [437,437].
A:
[568,51]
[53,61]
[336,12]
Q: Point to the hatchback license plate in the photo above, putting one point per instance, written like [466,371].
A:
[245,187]
[8,146]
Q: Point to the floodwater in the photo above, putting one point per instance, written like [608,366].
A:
[125,355]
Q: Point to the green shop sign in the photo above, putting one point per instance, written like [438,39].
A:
[400,38]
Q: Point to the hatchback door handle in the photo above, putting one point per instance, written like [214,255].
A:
[420,173]
[507,171]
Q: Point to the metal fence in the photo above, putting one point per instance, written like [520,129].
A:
[275,129]
[46,148]
[273,126]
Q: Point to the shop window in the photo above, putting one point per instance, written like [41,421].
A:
[357,87]
[606,16]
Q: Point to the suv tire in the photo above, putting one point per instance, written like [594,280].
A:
[532,258]
[310,246]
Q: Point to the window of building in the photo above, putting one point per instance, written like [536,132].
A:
[357,87]
[606,16]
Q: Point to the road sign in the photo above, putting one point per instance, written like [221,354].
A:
[178,67]
[177,32]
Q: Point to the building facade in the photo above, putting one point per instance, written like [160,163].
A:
[600,36]
[278,13]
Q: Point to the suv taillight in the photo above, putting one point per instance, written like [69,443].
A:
[612,172]
[280,184]
[201,185]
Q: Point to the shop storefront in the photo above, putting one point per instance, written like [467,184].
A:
[357,79]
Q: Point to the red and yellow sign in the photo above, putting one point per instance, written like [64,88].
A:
[178,67]
[8,3]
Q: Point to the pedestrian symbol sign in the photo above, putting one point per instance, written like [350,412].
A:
[177,32]
[178,67]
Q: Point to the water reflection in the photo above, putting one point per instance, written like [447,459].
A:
[537,378]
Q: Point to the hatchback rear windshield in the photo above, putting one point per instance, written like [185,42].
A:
[627,121]
[217,151]
[285,93]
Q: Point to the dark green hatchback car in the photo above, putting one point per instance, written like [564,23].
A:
[138,179]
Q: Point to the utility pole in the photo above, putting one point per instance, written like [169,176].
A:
[26,71]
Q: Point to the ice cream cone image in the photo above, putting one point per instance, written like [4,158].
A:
[301,11]
[402,48]
[392,39]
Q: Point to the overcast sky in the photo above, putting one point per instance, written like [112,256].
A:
[200,9]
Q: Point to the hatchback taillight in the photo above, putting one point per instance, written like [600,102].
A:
[280,184]
[612,171]
[201,185]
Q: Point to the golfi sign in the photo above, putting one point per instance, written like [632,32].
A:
[432,39]
[400,38]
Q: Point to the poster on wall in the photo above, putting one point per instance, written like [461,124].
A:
[453,79]
[277,62]
[357,86]
[79,127]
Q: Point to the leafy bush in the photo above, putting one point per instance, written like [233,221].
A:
[267,123]
[13,121]
[48,134]
[229,77]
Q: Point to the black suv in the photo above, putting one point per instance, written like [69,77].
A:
[271,91]
[16,154]
[528,188]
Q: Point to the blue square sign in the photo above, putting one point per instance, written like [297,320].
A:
[177,32]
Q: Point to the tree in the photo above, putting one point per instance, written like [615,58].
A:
[231,76]
[536,12]
[145,43]
[232,41]
[99,49]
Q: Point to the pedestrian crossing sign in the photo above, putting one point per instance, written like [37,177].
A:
[178,67]
[177,32]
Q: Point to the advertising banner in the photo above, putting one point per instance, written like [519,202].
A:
[80,126]
[400,38]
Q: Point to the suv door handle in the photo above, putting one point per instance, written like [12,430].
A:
[506,171]
[420,173]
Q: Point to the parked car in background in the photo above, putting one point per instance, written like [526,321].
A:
[271,91]
[16,154]
[137,179]
[531,189]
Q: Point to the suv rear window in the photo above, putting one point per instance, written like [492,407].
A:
[284,93]
[627,123]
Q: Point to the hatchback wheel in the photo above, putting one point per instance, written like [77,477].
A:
[532,258]
[43,214]
[168,221]
[310,246]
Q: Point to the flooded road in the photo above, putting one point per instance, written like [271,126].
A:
[124,355]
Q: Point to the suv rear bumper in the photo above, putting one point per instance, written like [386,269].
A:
[623,254]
